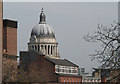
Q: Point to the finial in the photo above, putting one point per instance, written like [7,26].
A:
[42,10]
[42,18]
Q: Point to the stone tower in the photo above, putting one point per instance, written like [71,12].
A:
[43,39]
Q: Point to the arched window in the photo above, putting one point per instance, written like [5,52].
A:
[45,49]
[32,47]
[38,48]
[42,48]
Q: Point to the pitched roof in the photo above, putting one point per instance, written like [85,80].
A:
[63,62]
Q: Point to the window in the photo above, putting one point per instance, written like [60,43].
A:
[38,48]
[75,71]
[45,49]
[69,71]
[42,46]
[35,47]
[56,69]
[32,46]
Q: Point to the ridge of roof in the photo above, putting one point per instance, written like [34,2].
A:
[63,62]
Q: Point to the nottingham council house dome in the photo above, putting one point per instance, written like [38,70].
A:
[43,39]
[42,29]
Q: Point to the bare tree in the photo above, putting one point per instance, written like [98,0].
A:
[109,38]
[9,68]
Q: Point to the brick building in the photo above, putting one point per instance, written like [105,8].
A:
[10,36]
[8,48]
[42,62]
[9,60]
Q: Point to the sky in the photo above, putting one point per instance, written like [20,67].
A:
[70,21]
[60,0]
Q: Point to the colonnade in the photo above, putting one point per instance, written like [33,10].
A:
[47,49]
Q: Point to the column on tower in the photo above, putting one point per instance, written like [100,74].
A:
[53,51]
[57,52]
[40,48]
[34,47]
[50,51]
[43,49]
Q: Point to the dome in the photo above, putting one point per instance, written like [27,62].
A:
[42,29]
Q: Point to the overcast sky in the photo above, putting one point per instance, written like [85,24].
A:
[70,21]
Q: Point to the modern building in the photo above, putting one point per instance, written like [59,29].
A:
[90,78]
[42,60]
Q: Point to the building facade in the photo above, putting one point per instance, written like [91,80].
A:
[9,50]
[42,60]
[43,39]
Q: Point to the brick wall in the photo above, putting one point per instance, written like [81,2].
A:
[43,69]
[9,68]
[70,79]
[9,50]
[37,68]
[10,37]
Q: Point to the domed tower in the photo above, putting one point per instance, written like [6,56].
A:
[43,39]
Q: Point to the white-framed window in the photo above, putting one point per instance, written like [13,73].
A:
[66,69]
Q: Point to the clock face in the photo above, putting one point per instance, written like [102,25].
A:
[33,38]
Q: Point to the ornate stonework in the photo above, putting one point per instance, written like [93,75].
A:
[43,39]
